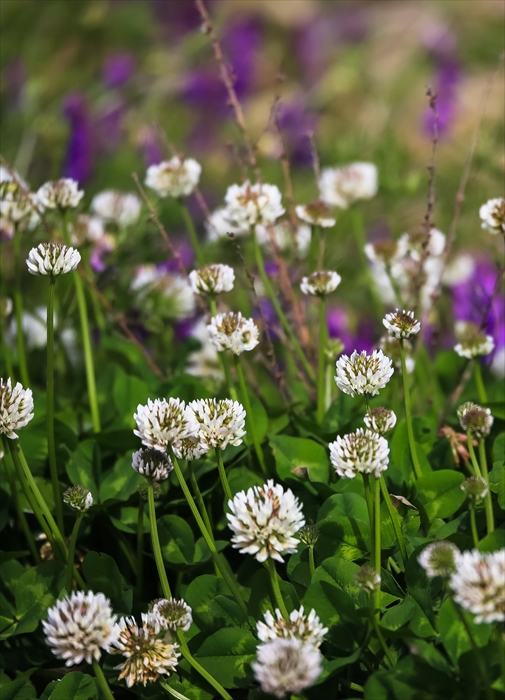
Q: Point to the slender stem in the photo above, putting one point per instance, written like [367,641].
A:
[481,389]
[480,659]
[382,640]
[312,566]
[408,414]
[18,308]
[368,498]
[488,502]
[328,385]
[71,552]
[222,359]
[473,525]
[473,456]
[102,681]
[249,414]
[23,523]
[276,590]
[199,499]
[200,669]
[222,475]
[165,586]
[377,544]
[393,514]
[140,546]
[97,311]
[192,232]
[321,360]
[282,318]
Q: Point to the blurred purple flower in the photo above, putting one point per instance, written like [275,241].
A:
[447,79]
[98,254]
[271,268]
[148,141]
[79,155]
[117,69]
[338,327]
[178,17]
[241,43]
[186,255]
[295,123]
[184,328]
[110,125]
[204,89]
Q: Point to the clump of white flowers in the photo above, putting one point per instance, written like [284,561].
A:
[152,464]
[316,213]
[220,423]
[52,258]
[161,422]
[18,208]
[478,584]
[379,419]
[174,291]
[307,628]
[284,237]
[439,558]
[340,187]
[172,614]
[79,626]
[320,283]
[401,324]
[472,341]
[212,279]
[174,177]
[231,331]
[362,452]
[476,419]
[16,408]
[363,374]
[60,194]
[190,448]
[492,215]
[287,666]
[78,498]
[120,208]
[220,224]
[250,204]
[264,520]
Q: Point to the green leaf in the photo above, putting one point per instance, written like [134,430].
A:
[398,616]
[440,493]
[81,467]
[453,633]
[103,576]
[293,453]
[129,391]
[128,519]
[20,688]
[227,654]
[75,686]
[242,479]
[121,481]
[348,505]
[499,448]
[176,539]
[347,537]
[199,595]
[492,542]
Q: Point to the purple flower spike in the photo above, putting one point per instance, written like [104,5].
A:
[79,156]
[118,69]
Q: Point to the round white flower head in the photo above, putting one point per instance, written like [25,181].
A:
[492,215]
[79,626]
[16,408]
[231,331]
[475,488]
[172,614]
[340,187]
[118,207]
[249,205]
[220,225]
[212,279]
[52,259]
[152,464]
[286,666]
[316,213]
[60,194]
[475,346]
[401,324]
[219,422]
[174,177]
[190,448]
[380,419]
[264,520]
[78,498]
[479,584]
[307,628]
[282,236]
[476,419]
[149,655]
[161,422]
[87,229]
[439,558]
[320,283]
[367,579]
[17,206]
[362,373]
[362,452]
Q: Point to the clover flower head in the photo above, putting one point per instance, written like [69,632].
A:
[52,259]
[390,346]
[306,628]
[286,666]
[120,208]
[174,177]
[231,331]
[60,194]
[16,408]
[362,452]
[264,520]
[475,346]
[317,214]
[379,419]
[79,626]
[492,215]
[478,584]
[191,448]
[161,422]
[340,187]
[152,464]
[475,488]
[320,283]
[476,419]
[401,324]
[333,348]
[87,229]
[78,498]
[363,374]
[172,614]
[367,579]
[309,534]
[212,279]
[220,423]
[17,207]
[439,558]
[220,225]
[249,204]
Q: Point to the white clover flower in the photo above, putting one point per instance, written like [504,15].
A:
[175,290]
[390,346]
[190,449]
[52,259]
[60,194]
[340,187]
[320,283]
[264,520]
[249,204]
[231,331]
[11,176]
[219,422]
[151,463]
[476,346]
[362,373]
[87,229]
[380,419]
[306,628]
[475,488]
[362,452]
[317,214]
[79,626]
[120,208]
[439,558]
[212,279]
[284,237]
[476,419]
[174,177]
[492,215]
[78,498]
[205,361]
[16,408]
[17,207]
[220,224]
[287,666]
[401,324]
[459,270]
[149,655]
[161,422]
[172,614]
[367,579]
[479,584]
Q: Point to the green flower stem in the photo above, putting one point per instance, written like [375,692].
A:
[480,659]
[222,475]
[369,499]
[312,566]
[222,359]
[53,466]
[251,424]
[275,303]
[315,257]
[97,311]
[140,547]
[23,523]
[274,580]
[488,502]
[18,309]
[393,514]
[481,389]
[174,693]
[377,544]
[321,360]
[473,456]
[473,525]
[199,499]
[102,681]
[408,414]
[328,385]
[71,552]
[165,586]
[200,669]
[192,232]
[381,639]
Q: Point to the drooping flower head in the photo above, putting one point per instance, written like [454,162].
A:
[320,283]
[174,177]
[78,498]
[479,584]
[380,419]
[60,194]
[172,614]
[249,204]
[231,331]
[287,666]
[367,579]
[362,373]
[52,258]
[492,215]
[475,488]
[362,452]
[439,558]
[264,520]
[219,422]
[477,419]
[316,213]
[16,408]
[161,422]
[152,464]
[212,279]
[401,324]
[120,208]
[340,187]
[79,626]
[306,628]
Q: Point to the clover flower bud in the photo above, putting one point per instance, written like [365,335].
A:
[333,348]
[401,324]
[143,489]
[60,194]
[362,452]
[475,419]
[309,534]
[380,419]
[152,464]
[52,259]
[317,214]
[16,408]
[212,279]
[367,579]
[439,558]
[363,374]
[320,283]
[475,488]
[78,498]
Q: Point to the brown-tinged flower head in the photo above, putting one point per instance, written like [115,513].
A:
[143,489]
[306,628]
[287,666]
[78,498]
[380,419]
[16,408]
[212,279]
[231,331]
[309,534]
[250,204]
[333,348]
[316,213]
[492,215]
[363,374]
[60,194]
[367,579]
[383,251]
[52,258]
[439,558]
[220,423]
[479,584]
[152,464]
[362,452]
[475,488]
[191,448]
[472,341]
[320,283]
[174,177]
[161,422]
[401,324]
[17,206]
[475,419]
[340,187]
[172,614]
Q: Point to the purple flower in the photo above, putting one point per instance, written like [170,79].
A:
[241,42]
[186,255]
[338,327]
[117,69]
[148,141]
[99,253]
[110,125]
[447,79]
[184,328]
[79,155]
[295,123]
